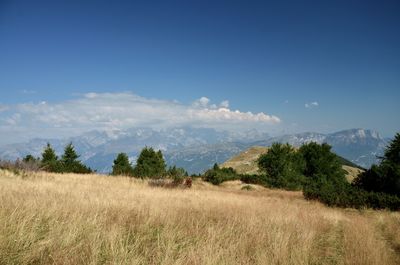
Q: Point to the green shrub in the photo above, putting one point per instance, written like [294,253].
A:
[320,161]
[347,196]
[283,167]
[255,179]
[218,175]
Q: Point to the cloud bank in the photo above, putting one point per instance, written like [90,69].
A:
[109,111]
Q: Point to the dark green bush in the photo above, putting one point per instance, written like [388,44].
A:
[283,167]
[255,179]
[347,196]
[218,175]
[384,177]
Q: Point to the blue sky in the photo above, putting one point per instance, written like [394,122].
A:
[271,59]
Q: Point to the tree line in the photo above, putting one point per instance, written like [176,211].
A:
[150,164]
[67,163]
[317,171]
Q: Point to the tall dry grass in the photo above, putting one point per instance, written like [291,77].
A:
[90,219]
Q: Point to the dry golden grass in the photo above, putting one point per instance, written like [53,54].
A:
[352,172]
[91,219]
[246,161]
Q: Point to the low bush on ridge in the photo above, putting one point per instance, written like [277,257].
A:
[217,175]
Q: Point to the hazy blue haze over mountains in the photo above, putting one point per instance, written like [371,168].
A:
[197,149]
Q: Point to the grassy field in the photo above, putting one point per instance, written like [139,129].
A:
[90,219]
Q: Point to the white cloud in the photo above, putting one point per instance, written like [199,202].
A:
[224,104]
[311,105]
[201,102]
[104,111]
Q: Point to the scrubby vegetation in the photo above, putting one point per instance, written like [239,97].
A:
[20,165]
[177,174]
[317,171]
[217,175]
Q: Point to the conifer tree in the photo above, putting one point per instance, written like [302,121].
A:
[150,164]
[122,166]
[69,157]
[392,152]
[50,160]
[386,176]
[49,155]
[70,162]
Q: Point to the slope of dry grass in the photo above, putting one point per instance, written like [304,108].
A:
[91,219]
[246,161]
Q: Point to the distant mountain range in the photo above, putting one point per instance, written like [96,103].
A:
[197,149]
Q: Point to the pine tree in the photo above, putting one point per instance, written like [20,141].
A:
[122,166]
[50,160]
[150,164]
[392,152]
[49,155]
[70,162]
[160,162]
[386,176]
[69,157]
